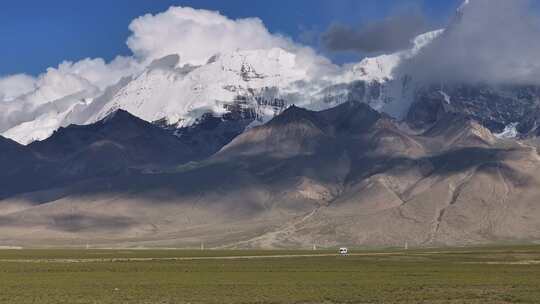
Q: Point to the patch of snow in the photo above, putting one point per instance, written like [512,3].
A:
[39,122]
[40,128]
[510,131]
[423,40]
[445,96]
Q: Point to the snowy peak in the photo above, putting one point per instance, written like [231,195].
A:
[181,95]
[376,68]
[424,40]
[254,85]
[260,64]
[381,68]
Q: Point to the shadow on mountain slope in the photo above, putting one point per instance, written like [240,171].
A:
[343,176]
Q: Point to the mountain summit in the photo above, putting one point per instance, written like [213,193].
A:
[253,85]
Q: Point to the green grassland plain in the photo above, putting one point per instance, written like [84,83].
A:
[461,275]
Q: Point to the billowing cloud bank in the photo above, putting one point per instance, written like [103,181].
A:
[489,41]
[68,78]
[195,35]
[16,85]
[495,41]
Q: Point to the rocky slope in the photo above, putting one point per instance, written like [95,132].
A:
[253,149]
[246,88]
[17,164]
[495,106]
[343,176]
[119,144]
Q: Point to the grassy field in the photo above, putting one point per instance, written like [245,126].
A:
[481,275]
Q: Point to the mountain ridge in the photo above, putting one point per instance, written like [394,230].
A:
[347,175]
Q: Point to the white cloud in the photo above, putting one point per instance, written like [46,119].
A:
[66,79]
[53,92]
[98,72]
[196,35]
[489,41]
[15,85]
[26,98]
[54,85]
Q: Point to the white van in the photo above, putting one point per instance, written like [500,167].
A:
[343,251]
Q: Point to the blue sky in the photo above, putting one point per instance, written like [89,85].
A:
[37,34]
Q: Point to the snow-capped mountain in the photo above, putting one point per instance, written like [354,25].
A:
[183,94]
[36,114]
[377,82]
[252,84]
[348,164]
